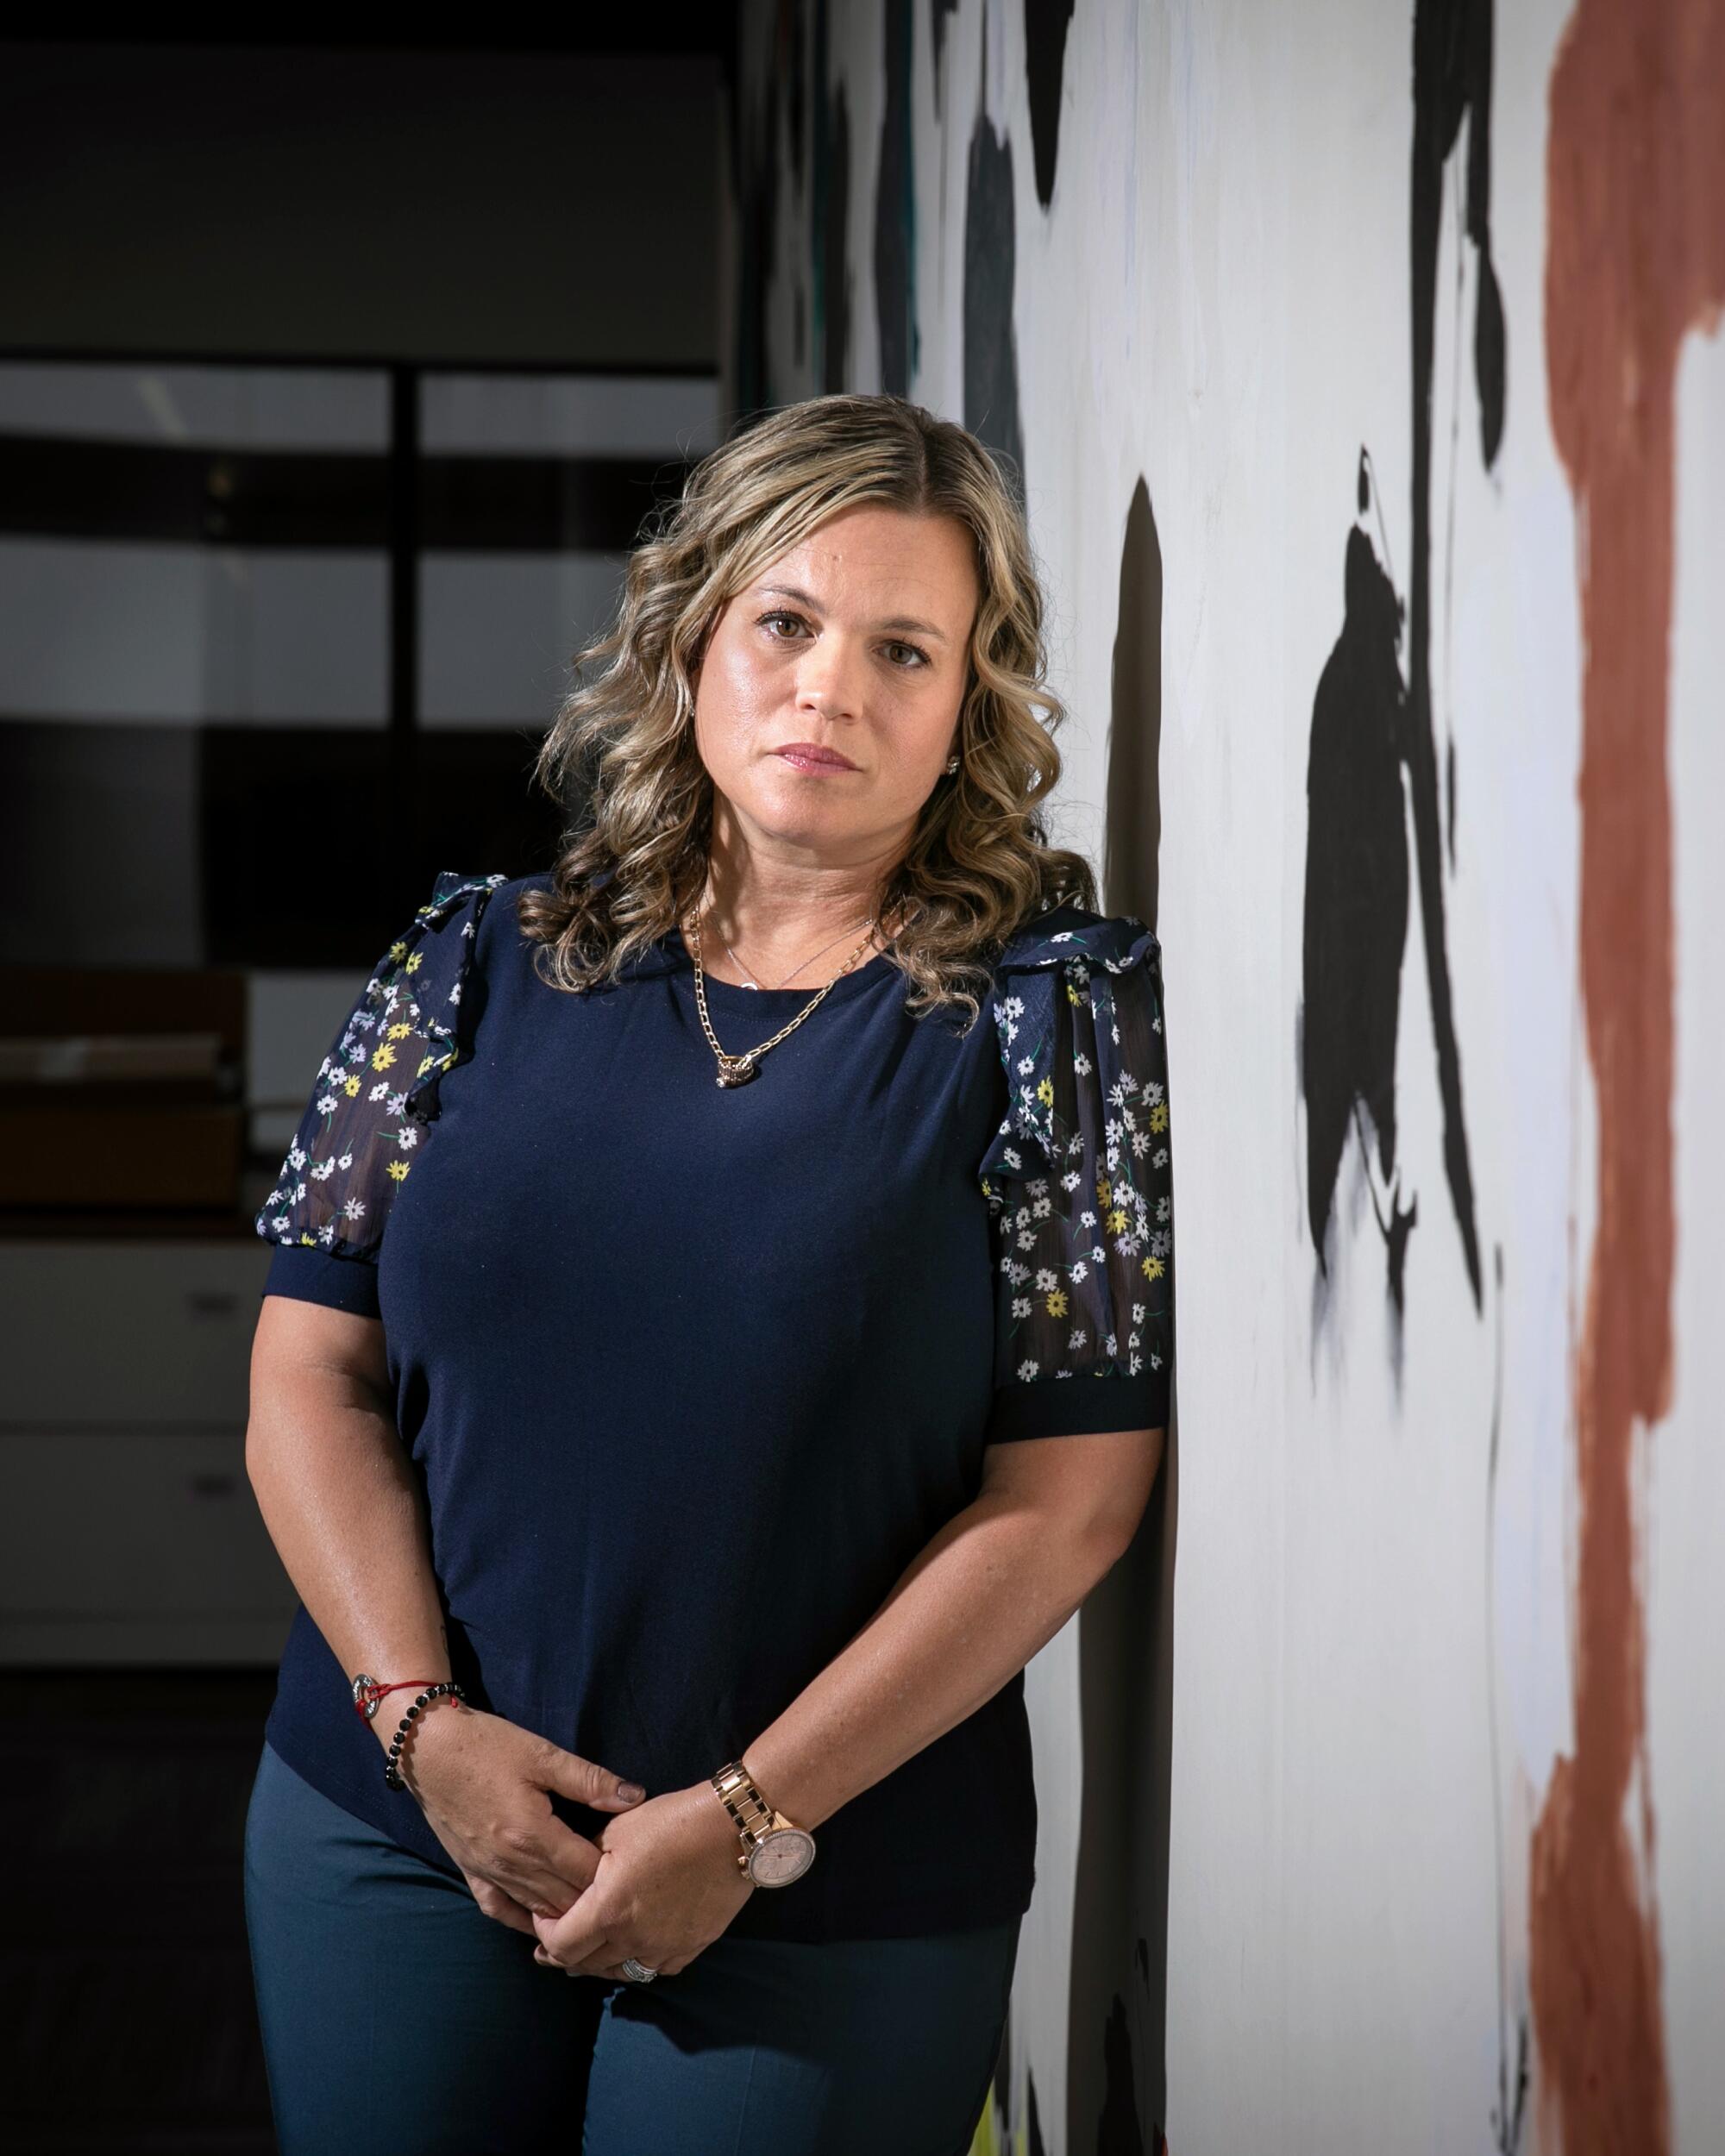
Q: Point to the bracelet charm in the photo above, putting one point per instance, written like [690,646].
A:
[368,1693]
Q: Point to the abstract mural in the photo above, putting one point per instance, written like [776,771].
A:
[1338,355]
[1373,723]
[1636,161]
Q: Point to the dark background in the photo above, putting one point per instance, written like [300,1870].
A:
[336,380]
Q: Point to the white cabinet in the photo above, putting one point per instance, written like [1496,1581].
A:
[129,1533]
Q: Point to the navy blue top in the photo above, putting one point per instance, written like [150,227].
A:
[691,1374]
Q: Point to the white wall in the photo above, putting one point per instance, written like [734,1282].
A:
[1368,1650]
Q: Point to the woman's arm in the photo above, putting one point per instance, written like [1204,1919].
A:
[347,1516]
[1053,1517]
[333,1483]
[999,1580]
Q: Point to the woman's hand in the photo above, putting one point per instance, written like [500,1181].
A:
[668,1882]
[481,1783]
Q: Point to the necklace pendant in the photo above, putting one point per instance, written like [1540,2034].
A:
[737,1070]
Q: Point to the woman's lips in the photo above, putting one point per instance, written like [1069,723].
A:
[802,757]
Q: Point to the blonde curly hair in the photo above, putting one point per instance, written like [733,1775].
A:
[621,758]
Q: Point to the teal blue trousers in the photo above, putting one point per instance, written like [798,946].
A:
[397,2016]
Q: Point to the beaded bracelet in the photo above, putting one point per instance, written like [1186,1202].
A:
[392,1777]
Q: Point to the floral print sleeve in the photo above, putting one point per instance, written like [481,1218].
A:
[375,1096]
[1079,1181]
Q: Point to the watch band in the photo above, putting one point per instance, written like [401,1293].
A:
[751,1813]
[775,1849]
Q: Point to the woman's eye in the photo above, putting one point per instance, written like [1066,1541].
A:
[918,657]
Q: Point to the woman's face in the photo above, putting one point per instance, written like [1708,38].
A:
[857,641]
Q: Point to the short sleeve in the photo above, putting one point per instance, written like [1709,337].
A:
[370,1111]
[1079,1181]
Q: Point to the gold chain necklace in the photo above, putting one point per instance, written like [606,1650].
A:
[738,1070]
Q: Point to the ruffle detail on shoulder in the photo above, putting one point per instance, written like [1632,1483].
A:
[378,1086]
[435,959]
[1113,940]
[1043,975]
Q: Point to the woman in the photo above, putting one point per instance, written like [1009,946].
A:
[720,1323]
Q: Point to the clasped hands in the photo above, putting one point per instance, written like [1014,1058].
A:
[666,1885]
[658,1882]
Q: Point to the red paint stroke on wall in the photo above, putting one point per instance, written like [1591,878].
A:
[1636,181]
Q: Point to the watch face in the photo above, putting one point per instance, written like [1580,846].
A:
[782,1854]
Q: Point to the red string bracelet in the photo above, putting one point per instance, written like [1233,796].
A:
[367,1692]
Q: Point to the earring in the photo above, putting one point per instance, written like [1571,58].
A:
[952,763]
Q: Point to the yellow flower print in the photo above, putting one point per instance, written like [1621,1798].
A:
[1153,1269]
[416,961]
[1105,1195]
[1117,1220]
[426,1063]
[399,1032]
[351,1088]
[399,1169]
[1056,1303]
[384,1057]
[1158,1116]
[1044,1092]
[1073,995]
[305,1237]
[397,950]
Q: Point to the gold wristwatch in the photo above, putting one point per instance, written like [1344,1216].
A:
[774,1852]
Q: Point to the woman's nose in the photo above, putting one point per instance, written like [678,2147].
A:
[829,680]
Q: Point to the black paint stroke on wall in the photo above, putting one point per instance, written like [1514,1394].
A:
[1343,1053]
[1118,2132]
[829,218]
[1046,23]
[1357,898]
[790,47]
[755,197]
[1034,2143]
[1117,2066]
[1508,2110]
[1132,829]
[895,206]
[1000,2085]
[835,254]
[937,12]
[991,358]
[1452,81]
[763,137]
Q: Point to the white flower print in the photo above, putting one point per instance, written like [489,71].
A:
[1080,1040]
[358,1138]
